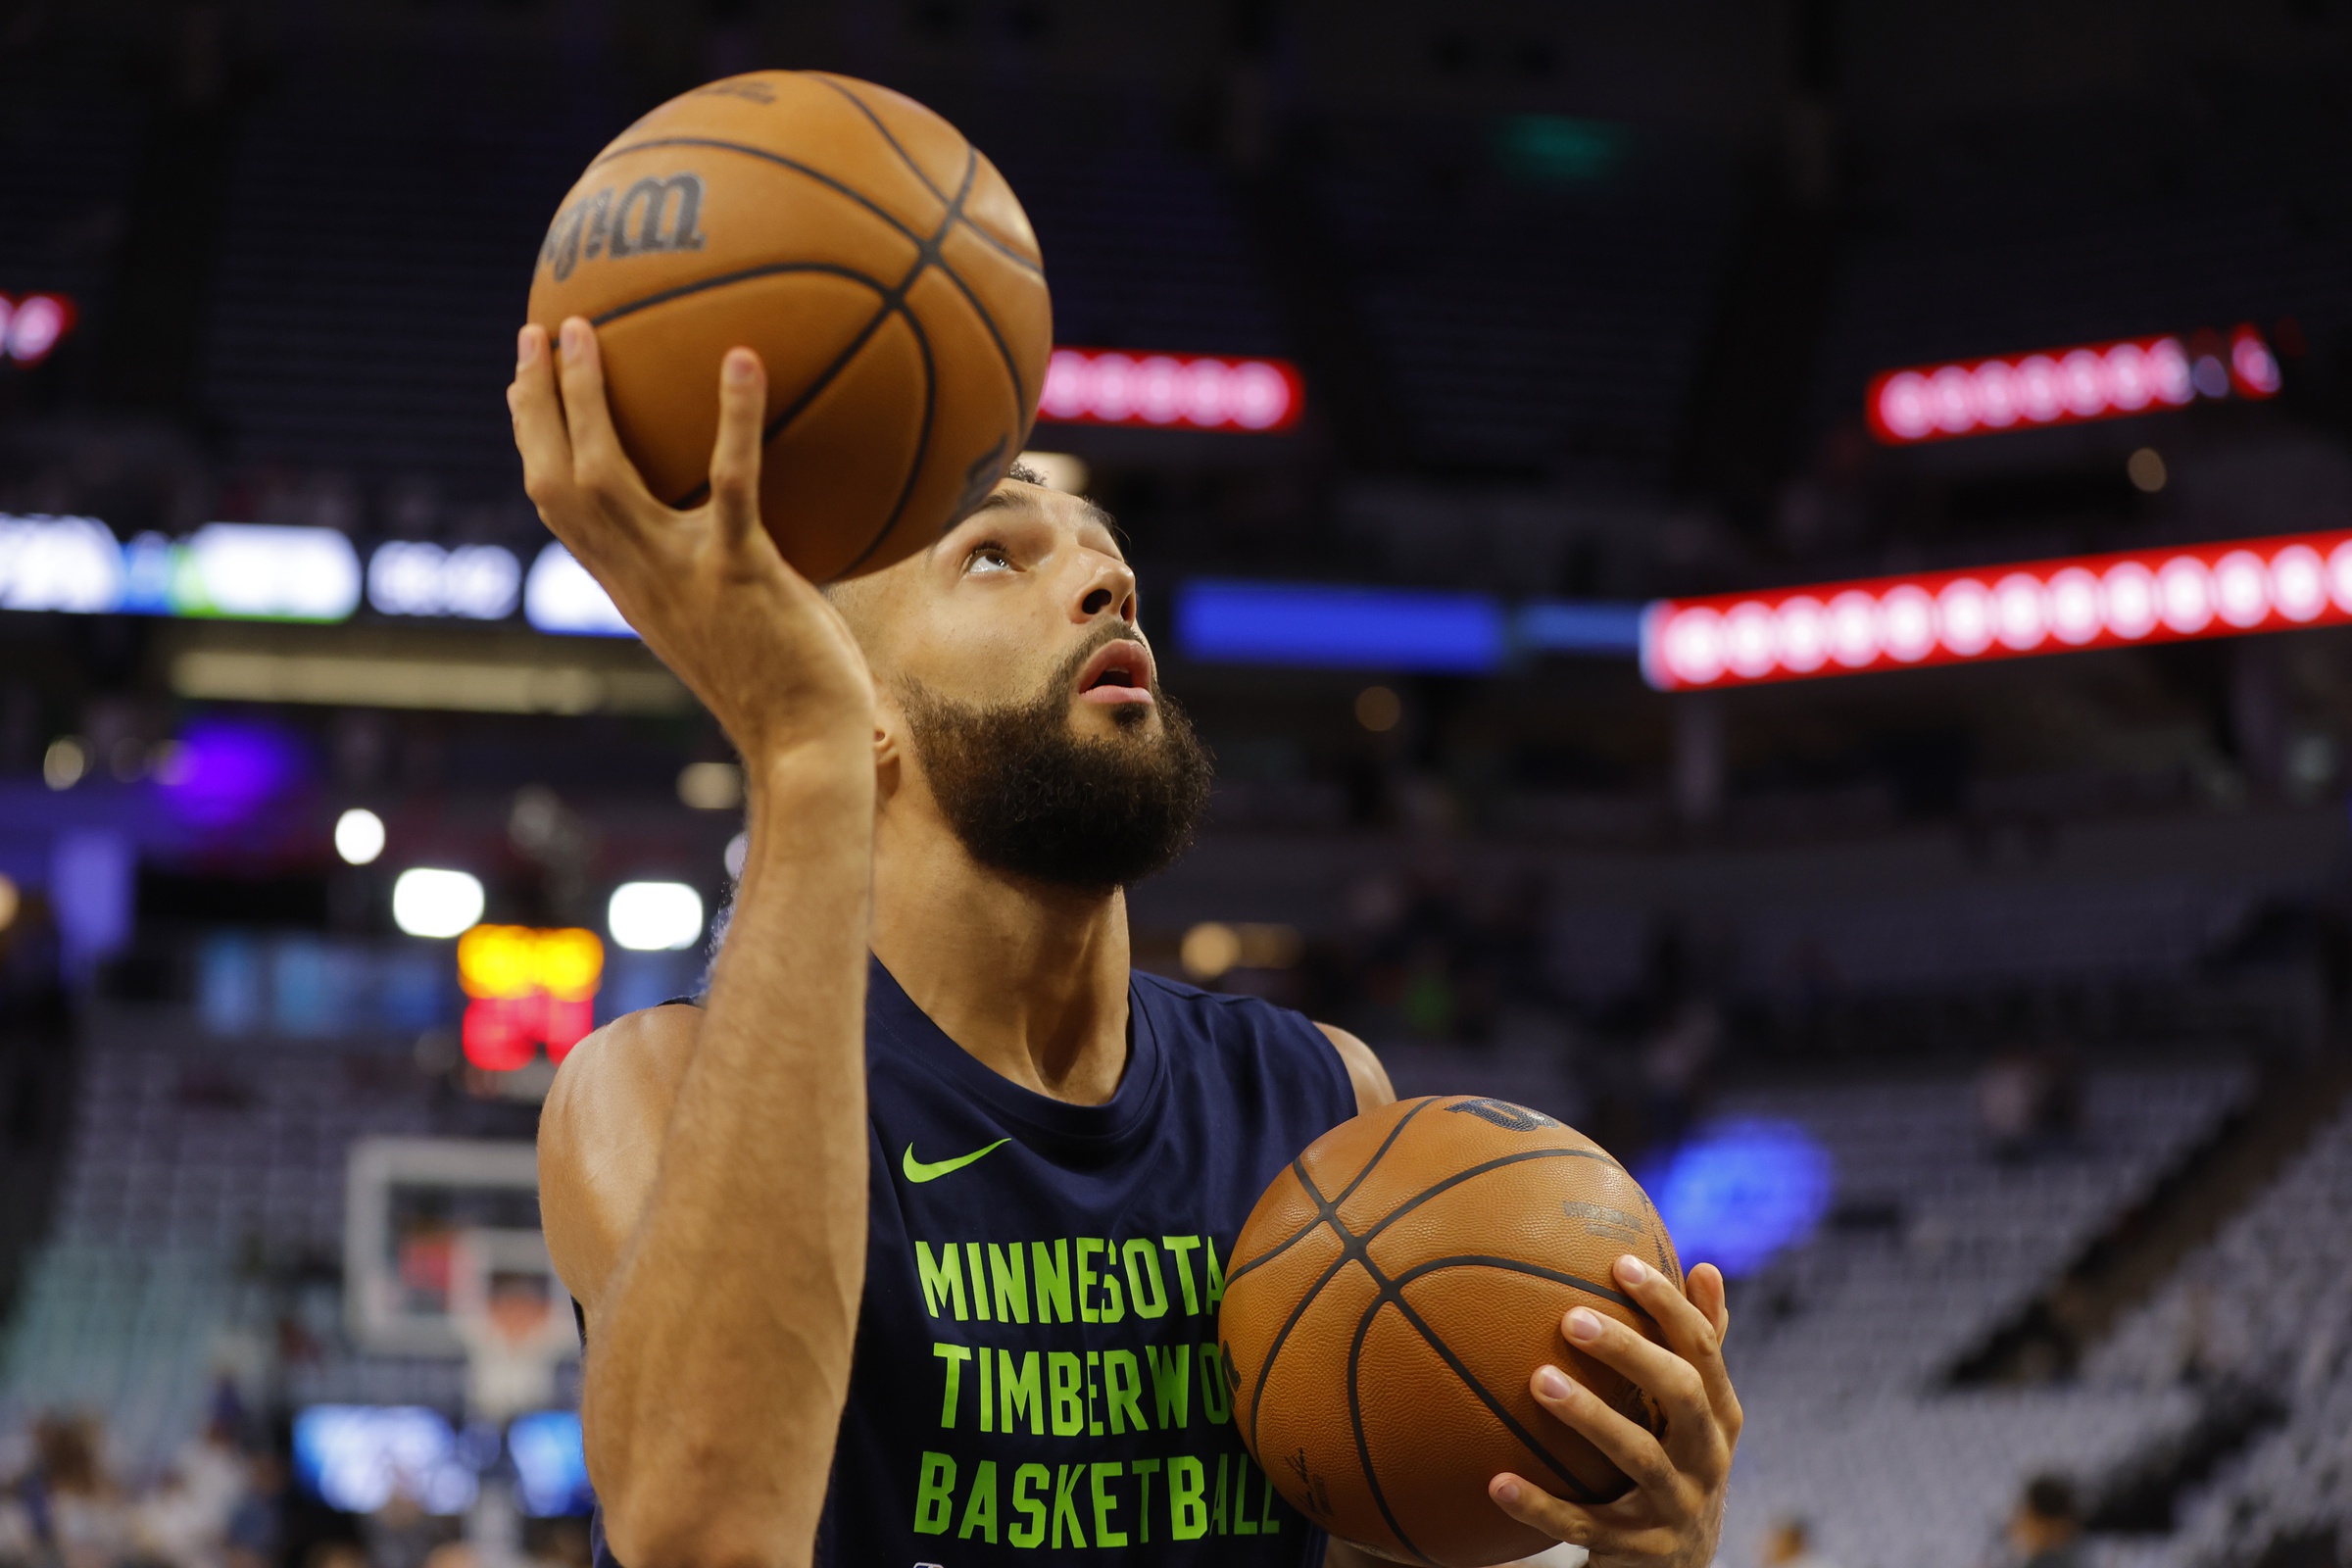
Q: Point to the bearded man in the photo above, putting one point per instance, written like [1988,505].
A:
[904,1244]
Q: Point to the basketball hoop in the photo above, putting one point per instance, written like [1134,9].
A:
[514,1319]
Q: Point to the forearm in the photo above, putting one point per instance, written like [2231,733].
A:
[722,1342]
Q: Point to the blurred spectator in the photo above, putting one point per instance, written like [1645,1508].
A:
[401,1533]
[2046,1531]
[1788,1543]
[72,1511]
[335,1554]
[257,1525]
[2029,1104]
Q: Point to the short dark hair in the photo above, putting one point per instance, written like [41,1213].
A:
[1027,475]
[2050,1497]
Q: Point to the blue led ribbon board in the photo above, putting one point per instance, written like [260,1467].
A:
[1320,626]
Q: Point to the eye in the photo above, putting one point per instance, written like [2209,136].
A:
[988,560]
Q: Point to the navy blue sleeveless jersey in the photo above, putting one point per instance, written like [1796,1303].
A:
[1036,1377]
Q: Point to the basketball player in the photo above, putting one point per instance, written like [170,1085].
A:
[905,1246]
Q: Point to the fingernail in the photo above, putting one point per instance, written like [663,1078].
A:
[1632,1270]
[1584,1324]
[1550,1385]
[575,336]
[739,367]
[1507,1491]
[526,347]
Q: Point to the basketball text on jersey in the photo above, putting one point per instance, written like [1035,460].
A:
[1172,1380]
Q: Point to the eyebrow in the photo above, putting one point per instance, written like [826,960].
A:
[1003,500]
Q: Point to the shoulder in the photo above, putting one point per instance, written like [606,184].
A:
[1371,1080]
[618,1078]
[1366,1081]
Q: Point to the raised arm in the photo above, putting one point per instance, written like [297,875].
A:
[718,1236]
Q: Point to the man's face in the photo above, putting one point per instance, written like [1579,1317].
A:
[1030,696]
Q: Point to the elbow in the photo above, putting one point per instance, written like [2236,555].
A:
[669,1535]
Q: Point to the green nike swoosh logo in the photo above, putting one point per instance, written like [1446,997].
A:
[919,1171]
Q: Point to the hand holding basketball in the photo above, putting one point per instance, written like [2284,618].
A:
[706,588]
[1673,1517]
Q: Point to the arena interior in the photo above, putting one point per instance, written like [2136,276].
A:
[1495,399]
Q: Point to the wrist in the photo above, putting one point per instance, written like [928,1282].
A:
[797,772]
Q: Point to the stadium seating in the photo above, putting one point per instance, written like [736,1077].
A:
[1841,1343]
[2262,1308]
[191,1165]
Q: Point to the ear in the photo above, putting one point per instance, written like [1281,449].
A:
[890,746]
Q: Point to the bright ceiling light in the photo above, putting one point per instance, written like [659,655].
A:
[710,786]
[359,836]
[430,903]
[654,916]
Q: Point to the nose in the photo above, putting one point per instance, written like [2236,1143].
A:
[1107,588]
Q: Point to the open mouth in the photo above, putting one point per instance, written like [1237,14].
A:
[1119,672]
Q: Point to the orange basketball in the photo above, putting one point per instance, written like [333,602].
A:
[881,267]
[1391,1295]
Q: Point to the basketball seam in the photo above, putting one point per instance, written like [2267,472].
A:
[1461,1176]
[956,215]
[1393,1291]
[1516,1266]
[929,256]
[1355,1419]
[1306,1299]
[916,168]
[747,274]
[1299,1169]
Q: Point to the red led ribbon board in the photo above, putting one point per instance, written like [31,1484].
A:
[2040,607]
[2067,386]
[30,325]
[1170,391]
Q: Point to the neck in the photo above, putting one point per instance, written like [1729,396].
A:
[1029,979]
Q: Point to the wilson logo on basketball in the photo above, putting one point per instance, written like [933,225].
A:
[652,216]
[1503,1114]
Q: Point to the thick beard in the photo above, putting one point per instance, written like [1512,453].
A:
[1028,797]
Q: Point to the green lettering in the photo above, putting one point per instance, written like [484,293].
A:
[988,1396]
[1094,1422]
[1215,1401]
[943,1278]
[980,1513]
[1267,1524]
[1052,1280]
[1011,1284]
[1143,1470]
[1064,1375]
[971,1249]
[1118,1299]
[1025,1501]
[1216,1509]
[934,1495]
[1181,1246]
[1017,1392]
[1104,1503]
[1065,1502]
[1123,1385]
[1188,1515]
[1087,1246]
[1242,1524]
[1171,1383]
[1141,1248]
[954,1355]
[1217,1272]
